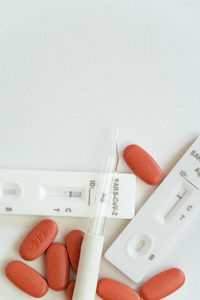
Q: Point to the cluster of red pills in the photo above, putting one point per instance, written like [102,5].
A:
[57,262]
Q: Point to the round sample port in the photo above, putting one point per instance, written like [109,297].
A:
[9,190]
[138,245]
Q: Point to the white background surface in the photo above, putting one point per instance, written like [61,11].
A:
[69,72]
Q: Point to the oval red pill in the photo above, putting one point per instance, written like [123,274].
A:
[38,240]
[74,241]
[109,289]
[162,285]
[142,164]
[26,279]
[57,267]
[70,290]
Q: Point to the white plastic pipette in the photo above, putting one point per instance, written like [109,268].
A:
[92,246]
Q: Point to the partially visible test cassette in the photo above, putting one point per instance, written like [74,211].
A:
[148,236]
[52,193]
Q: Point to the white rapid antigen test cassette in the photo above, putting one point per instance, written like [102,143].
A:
[51,193]
[147,237]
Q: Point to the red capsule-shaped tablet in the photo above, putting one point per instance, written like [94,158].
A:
[57,266]
[109,289]
[162,285]
[142,164]
[26,279]
[74,241]
[38,240]
[70,290]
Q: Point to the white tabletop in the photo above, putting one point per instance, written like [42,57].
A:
[70,71]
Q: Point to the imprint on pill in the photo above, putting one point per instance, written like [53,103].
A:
[38,239]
